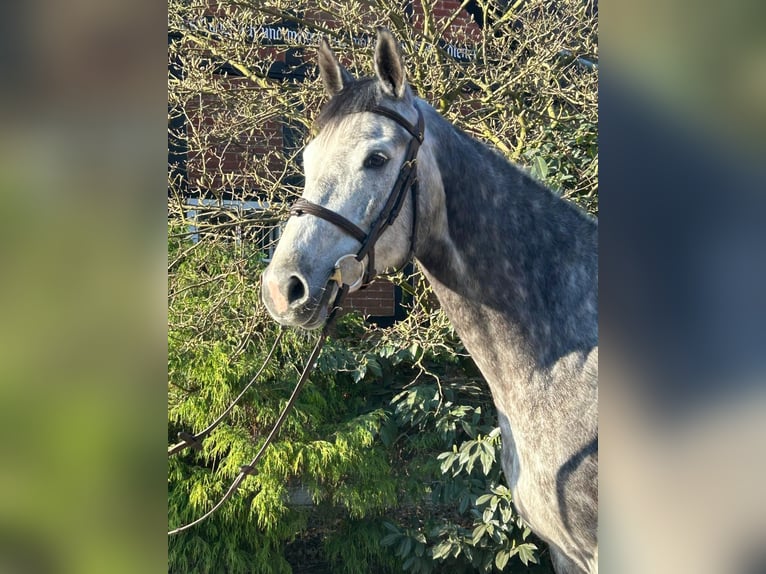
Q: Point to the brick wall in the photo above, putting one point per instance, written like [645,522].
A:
[376,300]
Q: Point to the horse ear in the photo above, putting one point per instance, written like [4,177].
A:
[388,64]
[334,76]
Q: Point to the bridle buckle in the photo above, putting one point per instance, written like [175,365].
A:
[339,272]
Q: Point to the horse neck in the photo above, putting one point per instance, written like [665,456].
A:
[514,266]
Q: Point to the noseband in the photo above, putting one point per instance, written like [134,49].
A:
[406,180]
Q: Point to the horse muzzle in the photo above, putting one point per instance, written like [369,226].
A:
[293,301]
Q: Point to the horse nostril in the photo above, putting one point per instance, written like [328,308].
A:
[296,290]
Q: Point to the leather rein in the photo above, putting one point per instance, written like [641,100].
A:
[406,180]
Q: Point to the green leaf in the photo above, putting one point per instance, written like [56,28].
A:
[469,430]
[404,547]
[488,513]
[484,498]
[487,459]
[390,539]
[501,559]
[359,373]
[527,553]
[464,502]
[506,513]
[375,368]
[391,527]
[478,533]
[441,550]
[539,167]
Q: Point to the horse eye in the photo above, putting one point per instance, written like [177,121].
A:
[375,160]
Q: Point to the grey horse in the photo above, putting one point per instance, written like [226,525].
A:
[514,267]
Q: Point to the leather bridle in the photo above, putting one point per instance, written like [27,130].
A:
[407,180]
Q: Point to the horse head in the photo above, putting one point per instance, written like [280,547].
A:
[349,222]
